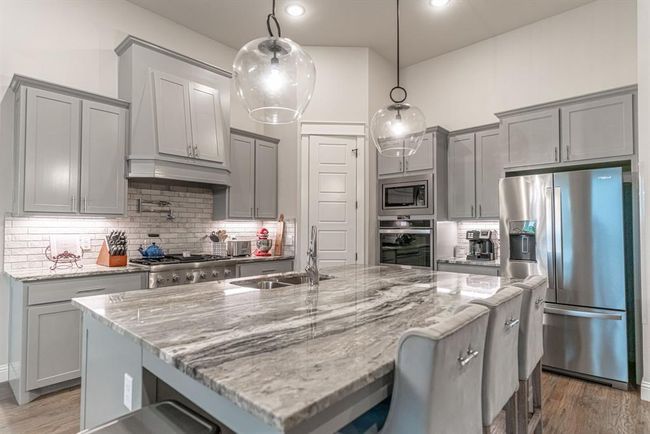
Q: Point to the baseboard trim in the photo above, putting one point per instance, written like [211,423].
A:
[645,390]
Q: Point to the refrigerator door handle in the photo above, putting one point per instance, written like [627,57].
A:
[550,248]
[557,220]
[583,313]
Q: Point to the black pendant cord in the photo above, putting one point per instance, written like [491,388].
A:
[398,87]
[271,17]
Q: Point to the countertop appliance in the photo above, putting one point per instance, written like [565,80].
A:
[238,248]
[406,242]
[481,245]
[409,195]
[172,270]
[569,226]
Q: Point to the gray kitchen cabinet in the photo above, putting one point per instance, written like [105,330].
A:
[389,165]
[264,267]
[253,193]
[266,179]
[423,157]
[52,128]
[531,138]
[53,344]
[461,176]
[103,151]
[489,169]
[45,329]
[242,188]
[172,108]
[70,150]
[207,123]
[597,129]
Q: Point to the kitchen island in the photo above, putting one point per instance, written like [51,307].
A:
[290,359]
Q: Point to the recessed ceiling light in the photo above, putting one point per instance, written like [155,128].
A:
[295,10]
[438,3]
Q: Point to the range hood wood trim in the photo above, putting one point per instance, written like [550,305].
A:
[159,169]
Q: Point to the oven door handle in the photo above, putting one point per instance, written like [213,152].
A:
[406,231]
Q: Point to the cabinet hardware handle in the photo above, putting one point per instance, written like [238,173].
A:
[73,202]
[400,165]
[196,151]
[471,354]
[189,150]
[251,211]
[407,164]
[511,322]
[555,155]
[85,204]
[567,153]
[471,207]
[480,210]
[257,212]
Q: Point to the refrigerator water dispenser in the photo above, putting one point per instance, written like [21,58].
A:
[522,240]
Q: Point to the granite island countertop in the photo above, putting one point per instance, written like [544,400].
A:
[286,354]
[44,273]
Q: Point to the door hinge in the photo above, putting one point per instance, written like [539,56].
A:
[355,151]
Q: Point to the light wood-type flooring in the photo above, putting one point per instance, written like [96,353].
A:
[570,407]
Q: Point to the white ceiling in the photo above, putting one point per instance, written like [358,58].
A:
[426,32]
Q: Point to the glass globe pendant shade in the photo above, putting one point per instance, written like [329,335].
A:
[398,129]
[275,78]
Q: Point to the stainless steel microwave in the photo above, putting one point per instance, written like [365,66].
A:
[410,195]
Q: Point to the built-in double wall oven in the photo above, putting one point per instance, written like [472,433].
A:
[410,195]
[406,242]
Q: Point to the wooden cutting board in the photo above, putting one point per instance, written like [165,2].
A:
[279,236]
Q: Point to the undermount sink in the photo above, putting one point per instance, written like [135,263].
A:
[265,282]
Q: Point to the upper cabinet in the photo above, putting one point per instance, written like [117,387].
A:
[422,160]
[254,184]
[180,114]
[69,150]
[475,167]
[588,129]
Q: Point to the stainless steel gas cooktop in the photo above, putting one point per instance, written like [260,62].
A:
[171,270]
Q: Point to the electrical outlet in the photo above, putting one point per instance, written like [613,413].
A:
[85,244]
[128,391]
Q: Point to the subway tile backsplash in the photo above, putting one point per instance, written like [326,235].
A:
[27,237]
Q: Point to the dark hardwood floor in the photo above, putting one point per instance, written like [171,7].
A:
[570,407]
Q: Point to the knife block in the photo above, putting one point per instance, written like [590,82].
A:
[107,260]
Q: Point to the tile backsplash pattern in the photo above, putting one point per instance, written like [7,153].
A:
[27,237]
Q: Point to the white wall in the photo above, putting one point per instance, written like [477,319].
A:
[584,50]
[71,42]
[644,180]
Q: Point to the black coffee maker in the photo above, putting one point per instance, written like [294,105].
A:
[481,245]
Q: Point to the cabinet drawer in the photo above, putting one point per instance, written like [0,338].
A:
[264,267]
[52,291]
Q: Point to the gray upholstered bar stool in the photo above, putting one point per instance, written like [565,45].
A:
[531,349]
[437,379]
[500,364]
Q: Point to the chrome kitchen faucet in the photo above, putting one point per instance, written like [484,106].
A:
[312,258]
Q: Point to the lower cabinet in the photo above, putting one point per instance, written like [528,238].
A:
[53,344]
[264,267]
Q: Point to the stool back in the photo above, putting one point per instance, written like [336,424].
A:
[437,386]
[531,339]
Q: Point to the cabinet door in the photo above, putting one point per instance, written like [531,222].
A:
[173,126]
[103,149]
[207,123]
[242,177]
[461,176]
[489,168]
[53,344]
[266,180]
[598,129]
[532,138]
[264,267]
[423,158]
[389,165]
[52,130]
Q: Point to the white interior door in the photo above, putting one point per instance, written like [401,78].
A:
[333,198]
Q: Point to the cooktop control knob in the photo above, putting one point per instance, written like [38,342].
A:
[188,276]
[174,277]
[202,274]
[227,272]
[215,273]
[160,280]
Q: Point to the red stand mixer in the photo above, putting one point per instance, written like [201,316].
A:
[263,243]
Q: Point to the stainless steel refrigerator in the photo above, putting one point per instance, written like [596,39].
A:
[569,227]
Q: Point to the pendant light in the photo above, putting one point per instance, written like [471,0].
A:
[398,129]
[274,76]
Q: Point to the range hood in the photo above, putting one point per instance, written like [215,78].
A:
[180,114]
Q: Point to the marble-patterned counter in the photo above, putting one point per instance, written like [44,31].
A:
[36,274]
[286,354]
